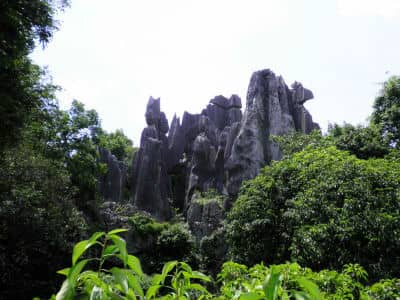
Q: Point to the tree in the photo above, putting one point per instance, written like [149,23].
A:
[71,137]
[38,222]
[363,142]
[386,113]
[323,208]
[22,84]
[118,144]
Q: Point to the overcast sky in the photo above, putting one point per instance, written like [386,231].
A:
[112,55]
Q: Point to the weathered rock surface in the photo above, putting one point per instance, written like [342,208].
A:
[271,109]
[150,188]
[215,149]
[112,184]
[115,215]
[204,218]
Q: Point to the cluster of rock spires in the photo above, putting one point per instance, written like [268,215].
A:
[216,149]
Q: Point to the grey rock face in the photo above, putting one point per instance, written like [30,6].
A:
[116,215]
[202,171]
[204,218]
[197,147]
[176,142]
[218,148]
[271,109]
[150,180]
[112,183]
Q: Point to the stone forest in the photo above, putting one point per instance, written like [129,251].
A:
[216,149]
[246,200]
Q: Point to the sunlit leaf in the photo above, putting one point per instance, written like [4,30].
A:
[115,231]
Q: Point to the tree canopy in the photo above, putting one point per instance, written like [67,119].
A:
[386,113]
[22,84]
[323,208]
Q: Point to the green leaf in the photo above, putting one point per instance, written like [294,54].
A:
[117,231]
[96,294]
[115,296]
[199,275]
[168,268]
[121,279]
[79,249]
[185,267]
[64,271]
[301,296]
[121,244]
[131,295]
[157,279]
[66,292]
[75,271]
[272,284]
[134,264]
[112,249]
[251,296]
[92,277]
[82,246]
[198,287]
[134,283]
[152,291]
[95,236]
[310,287]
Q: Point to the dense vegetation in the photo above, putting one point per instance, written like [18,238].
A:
[323,208]
[178,280]
[331,205]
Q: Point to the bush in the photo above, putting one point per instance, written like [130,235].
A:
[38,223]
[86,280]
[213,251]
[157,243]
[95,281]
[322,208]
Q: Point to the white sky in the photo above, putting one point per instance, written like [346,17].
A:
[112,55]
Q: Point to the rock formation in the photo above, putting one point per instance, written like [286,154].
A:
[204,217]
[271,109]
[113,182]
[150,186]
[216,149]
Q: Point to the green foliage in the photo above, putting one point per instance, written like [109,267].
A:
[212,251]
[323,208]
[254,229]
[101,283]
[211,195]
[38,222]
[161,242]
[144,225]
[364,142]
[53,167]
[87,278]
[22,84]
[386,289]
[95,278]
[288,281]
[296,141]
[118,144]
[71,137]
[183,282]
[386,113]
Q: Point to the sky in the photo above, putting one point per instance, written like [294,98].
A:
[114,55]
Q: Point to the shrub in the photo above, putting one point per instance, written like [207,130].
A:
[158,242]
[323,208]
[38,222]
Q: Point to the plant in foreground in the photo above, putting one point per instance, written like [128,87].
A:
[89,278]
[98,282]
